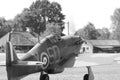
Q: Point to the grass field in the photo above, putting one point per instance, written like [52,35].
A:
[106,72]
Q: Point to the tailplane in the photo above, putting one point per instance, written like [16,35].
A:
[15,67]
[11,58]
[10,54]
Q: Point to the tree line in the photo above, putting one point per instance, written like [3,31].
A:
[39,17]
[44,17]
[90,32]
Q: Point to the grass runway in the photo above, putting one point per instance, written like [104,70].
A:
[106,72]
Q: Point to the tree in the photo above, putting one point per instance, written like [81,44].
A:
[50,12]
[4,26]
[52,28]
[104,33]
[29,19]
[39,14]
[88,32]
[116,24]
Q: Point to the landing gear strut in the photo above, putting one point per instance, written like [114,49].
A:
[86,77]
[44,76]
[90,75]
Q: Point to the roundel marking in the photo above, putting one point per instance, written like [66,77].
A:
[45,60]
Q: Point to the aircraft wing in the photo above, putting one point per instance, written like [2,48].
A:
[91,60]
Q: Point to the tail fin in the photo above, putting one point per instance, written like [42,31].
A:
[13,64]
[10,54]
[11,57]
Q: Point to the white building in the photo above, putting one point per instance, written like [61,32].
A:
[87,47]
[101,46]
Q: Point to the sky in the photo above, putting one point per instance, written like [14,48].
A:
[78,12]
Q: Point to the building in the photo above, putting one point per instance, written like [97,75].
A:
[22,41]
[86,47]
[101,46]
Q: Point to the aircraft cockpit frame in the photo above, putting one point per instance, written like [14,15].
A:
[54,38]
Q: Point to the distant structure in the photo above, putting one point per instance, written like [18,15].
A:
[22,41]
[101,46]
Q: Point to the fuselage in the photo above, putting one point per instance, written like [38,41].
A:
[53,52]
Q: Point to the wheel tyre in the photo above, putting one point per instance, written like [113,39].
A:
[44,77]
[86,77]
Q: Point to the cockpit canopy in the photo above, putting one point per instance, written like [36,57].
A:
[54,38]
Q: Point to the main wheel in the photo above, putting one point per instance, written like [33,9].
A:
[44,77]
[86,77]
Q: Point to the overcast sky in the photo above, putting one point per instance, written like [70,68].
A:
[78,12]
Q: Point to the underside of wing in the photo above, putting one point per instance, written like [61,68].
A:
[90,60]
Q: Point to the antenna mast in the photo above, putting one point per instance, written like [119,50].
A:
[68,27]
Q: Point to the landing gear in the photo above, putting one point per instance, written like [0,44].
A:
[44,76]
[90,75]
[86,77]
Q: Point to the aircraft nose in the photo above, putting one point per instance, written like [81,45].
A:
[80,41]
[83,41]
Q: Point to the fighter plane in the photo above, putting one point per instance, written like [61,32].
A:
[52,55]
